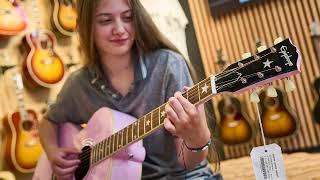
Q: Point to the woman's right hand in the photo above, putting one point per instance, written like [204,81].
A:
[64,162]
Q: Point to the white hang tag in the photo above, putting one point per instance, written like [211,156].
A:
[268,162]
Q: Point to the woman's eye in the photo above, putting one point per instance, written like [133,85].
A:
[105,21]
[127,18]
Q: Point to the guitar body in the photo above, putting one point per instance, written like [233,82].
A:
[102,124]
[65,16]
[12,18]
[42,66]
[277,120]
[23,148]
[234,125]
[316,110]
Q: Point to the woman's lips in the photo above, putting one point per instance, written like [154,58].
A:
[119,41]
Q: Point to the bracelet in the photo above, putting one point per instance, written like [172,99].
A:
[200,148]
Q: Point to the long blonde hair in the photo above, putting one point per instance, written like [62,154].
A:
[147,37]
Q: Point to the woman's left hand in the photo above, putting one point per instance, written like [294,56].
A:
[186,121]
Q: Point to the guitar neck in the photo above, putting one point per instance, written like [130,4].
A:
[148,123]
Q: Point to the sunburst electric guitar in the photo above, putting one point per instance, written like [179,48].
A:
[13,19]
[111,142]
[23,148]
[65,16]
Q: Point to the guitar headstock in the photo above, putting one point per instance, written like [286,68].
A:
[277,62]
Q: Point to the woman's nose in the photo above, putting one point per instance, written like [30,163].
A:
[119,28]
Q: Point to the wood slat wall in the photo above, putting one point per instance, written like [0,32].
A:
[236,33]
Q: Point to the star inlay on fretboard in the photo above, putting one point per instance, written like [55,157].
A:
[204,88]
[163,114]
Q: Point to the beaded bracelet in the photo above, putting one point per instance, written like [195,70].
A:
[200,148]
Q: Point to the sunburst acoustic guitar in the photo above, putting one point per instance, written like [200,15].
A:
[22,144]
[277,117]
[42,66]
[234,126]
[111,142]
[65,16]
[13,19]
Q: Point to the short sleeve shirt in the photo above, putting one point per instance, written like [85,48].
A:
[158,75]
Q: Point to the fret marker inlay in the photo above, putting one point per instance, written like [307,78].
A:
[205,88]
[163,114]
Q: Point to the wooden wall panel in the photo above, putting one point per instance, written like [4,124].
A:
[236,33]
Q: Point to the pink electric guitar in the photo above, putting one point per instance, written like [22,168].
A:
[111,142]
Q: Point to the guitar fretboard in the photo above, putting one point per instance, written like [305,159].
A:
[145,125]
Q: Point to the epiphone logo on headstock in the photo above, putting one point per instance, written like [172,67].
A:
[283,51]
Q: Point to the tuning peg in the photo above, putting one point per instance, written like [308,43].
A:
[289,85]
[261,48]
[254,97]
[246,55]
[271,91]
[278,40]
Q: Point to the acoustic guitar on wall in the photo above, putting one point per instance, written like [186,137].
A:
[65,16]
[278,120]
[42,65]
[234,126]
[111,143]
[23,148]
[13,19]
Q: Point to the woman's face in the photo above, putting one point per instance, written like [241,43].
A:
[113,27]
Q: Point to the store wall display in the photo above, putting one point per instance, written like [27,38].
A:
[14,51]
[236,30]
[23,148]
[13,19]
[64,16]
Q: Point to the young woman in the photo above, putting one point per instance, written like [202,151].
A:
[132,68]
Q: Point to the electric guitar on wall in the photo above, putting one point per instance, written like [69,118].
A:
[278,120]
[13,19]
[112,141]
[65,16]
[234,126]
[23,148]
[42,65]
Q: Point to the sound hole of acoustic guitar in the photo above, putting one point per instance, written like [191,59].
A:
[27,125]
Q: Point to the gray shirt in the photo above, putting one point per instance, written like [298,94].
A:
[158,75]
